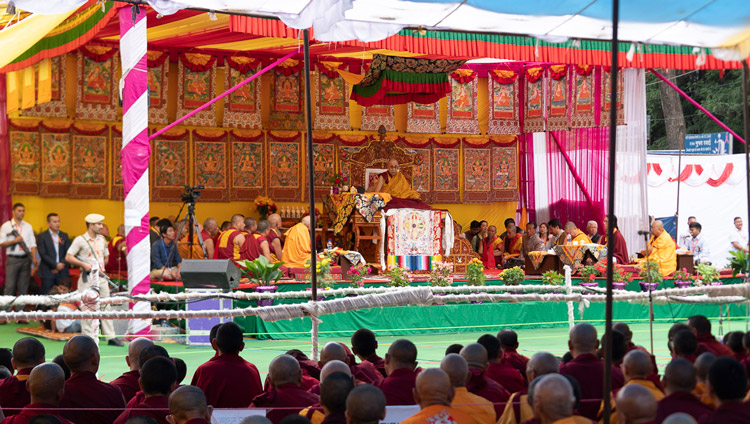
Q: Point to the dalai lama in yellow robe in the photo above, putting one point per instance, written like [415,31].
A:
[297,245]
[394,183]
[661,249]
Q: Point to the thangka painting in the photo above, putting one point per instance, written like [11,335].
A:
[344,154]
[503,101]
[210,159]
[421,172]
[284,168]
[242,107]
[534,111]
[25,173]
[56,107]
[375,116]
[477,174]
[89,167]
[195,86]
[118,191]
[55,164]
[423,118]
[247,160]
[557,105]
[287,111]
[504,173]
[582,97]
[158,69]
[331,102]
[97,94]
[446,176]
[462,108]
[324,158]
[413,239]
[169,160]
[607,98]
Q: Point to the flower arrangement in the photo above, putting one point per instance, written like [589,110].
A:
[681,275]
[338,179]
[620,276]
[707,274]
[322,270]
[265,206]
[650,272]
[398,276]
[440,274]
[475,273]
[553,278]
[357,274]
[512,276]
[261,270]
[589,272]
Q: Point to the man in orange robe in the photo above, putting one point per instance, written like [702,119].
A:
[434,395]
[577,236]
[297,246]
[394,183]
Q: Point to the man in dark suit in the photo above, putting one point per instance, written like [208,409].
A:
[52,245]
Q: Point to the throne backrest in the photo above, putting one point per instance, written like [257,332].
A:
[375,156]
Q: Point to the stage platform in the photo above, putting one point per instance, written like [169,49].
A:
[452,318]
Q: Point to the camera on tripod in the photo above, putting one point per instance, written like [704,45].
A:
[191,193]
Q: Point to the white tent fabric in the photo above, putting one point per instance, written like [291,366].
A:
[714,207]
[541,197]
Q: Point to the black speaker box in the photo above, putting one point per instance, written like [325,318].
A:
[210,274]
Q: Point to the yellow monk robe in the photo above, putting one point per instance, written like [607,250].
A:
[648,384]
[475,406]
[575,419]
[512,247]
[518,403]
[663,253]
[439,414]
[580,239]
[184,248]
[397,186]
[297,246]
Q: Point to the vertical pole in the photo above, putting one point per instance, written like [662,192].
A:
[135,154]
[5,200]
[677,212]
[610,230]
[746,134]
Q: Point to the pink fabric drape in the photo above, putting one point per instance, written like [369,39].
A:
[577,174]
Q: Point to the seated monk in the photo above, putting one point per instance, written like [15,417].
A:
[274,237]
[183,247]
[577,236]
[297,246]
[394,183]
[117,252]
[489,247]
[620,252]
[512,243]
[661,249]
[230,242]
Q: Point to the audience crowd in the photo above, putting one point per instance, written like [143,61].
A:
[486,382]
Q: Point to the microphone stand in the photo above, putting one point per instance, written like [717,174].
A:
[646,235]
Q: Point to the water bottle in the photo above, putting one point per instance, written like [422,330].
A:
[569,240]
[329,246]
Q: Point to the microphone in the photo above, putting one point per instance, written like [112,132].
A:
[644,232]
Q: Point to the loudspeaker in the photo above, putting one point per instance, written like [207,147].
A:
[210,274]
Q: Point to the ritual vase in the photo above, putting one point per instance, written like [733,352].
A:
[266,289]
[645,286]
[619,285]
[681,284]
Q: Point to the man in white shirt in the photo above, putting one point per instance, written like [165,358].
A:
[738,239]
[683,240]
[20,247]
[697,245]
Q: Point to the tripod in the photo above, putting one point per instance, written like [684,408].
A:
[192,223]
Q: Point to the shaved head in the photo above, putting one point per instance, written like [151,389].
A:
[28,352]
[81,353]
[475,356]
[457,369]
[624,329]
[151,352]
[134,351]
[553,398]
[570,226]
[680,418]
[401,354]
[703,364]
[332,351]
[275,220]
[306,220]
[433,387]
[365,405]
[583,339]
[635,404]
[46,383]
[542,363]
[637,364]
[189,402]
[679,376]
[334,366]
[284,369]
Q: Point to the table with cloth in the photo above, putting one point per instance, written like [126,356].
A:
[574,255]
[416,238]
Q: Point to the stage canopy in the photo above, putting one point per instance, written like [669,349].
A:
[688,34]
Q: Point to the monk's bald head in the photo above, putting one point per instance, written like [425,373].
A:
[679,376]
[457,369]
[475,355]
[401,354]
[583,339]
[134,351]
[187,403]
[28,353]
[334,366]
[553,397]
[542,363]
[149,352]
[365,405]
[635,404]
[81,353]
[306,221]
[624,329]
[284,369]
[636,364]
[680,418]
[703,364]
[46,383]
[275,220]
[657,227]
[332,351]
[433,387]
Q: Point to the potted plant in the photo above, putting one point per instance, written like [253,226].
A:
[512,276]
[398,276]
[265,206]
[440,276]
[553,278]
[475,273]
[323,278]
[338,180]
[650,272]
[357,274]
[681,278]
[738,261]
[263,272]
[620,278]
[708,275]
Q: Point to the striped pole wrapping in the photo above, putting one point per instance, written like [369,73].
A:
[135,155]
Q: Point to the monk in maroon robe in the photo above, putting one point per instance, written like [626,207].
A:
[91,400]
[227,380]
[701,326]
[364,345]
[479,383]
[274,236]
[188,405]
[625,330]
[727,385]
[28,352]
[46,387]
[502,372]
[158,380]
[509,352]
[285,393]
[308,366]
[679,381]
[334,390]
[620,252]
[128,381]
[146,354]
[586,368]
[400,364]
